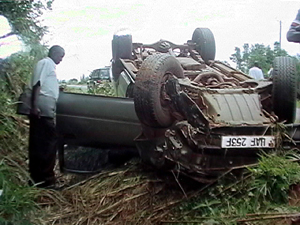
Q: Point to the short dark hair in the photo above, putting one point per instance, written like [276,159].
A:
[54,49]
[256,64]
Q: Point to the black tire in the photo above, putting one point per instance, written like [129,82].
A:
[122,47]
[130,91]
[284,88]
[205,43]
[116,69]
[151,109]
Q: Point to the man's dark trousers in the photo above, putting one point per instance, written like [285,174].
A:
[42,150]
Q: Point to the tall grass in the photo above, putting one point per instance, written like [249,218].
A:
[17,199]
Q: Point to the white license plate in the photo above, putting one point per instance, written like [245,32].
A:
[248,142]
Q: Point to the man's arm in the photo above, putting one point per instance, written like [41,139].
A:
[34,97]
[293,35]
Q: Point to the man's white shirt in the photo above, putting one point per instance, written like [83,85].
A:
[256,73]
[45,73]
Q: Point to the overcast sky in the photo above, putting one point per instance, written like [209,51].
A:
[85,27]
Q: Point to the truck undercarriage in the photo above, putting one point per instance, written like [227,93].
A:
[190,112]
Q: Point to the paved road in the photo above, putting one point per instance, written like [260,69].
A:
[83,87]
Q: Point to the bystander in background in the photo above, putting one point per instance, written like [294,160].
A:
[255,72]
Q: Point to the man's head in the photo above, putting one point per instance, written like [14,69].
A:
[255,64]
[56,53]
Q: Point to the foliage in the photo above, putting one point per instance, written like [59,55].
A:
[24,18]
[16,72]
[73,89]
[83,79]
[105,88]
[16,201]
[273,177]
[262,189]
[256,53]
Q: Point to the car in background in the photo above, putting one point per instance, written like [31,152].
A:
[99,76]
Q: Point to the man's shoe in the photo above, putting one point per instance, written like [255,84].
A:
[55,187]
[48,184]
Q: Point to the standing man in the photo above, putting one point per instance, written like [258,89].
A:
[256,72]
[42,134]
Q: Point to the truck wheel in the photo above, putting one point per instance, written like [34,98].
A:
[122,47]
[284,88]
[205,43]
[150,99]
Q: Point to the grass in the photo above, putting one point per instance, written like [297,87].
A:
[261,193]
[17,200]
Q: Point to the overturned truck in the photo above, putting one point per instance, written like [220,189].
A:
[185,110]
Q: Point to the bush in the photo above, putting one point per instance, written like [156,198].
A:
[273,177]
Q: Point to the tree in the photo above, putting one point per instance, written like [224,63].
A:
[23,17]
[278,51]
[237,58]
[256,53]
[83,79]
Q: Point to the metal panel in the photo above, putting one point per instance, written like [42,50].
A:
[96,120]
[235,108]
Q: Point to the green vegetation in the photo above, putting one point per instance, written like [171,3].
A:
[105,88]
[23,16]
[245,58]
[17,199]
[261,192]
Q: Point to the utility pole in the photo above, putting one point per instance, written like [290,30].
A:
[280,34]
